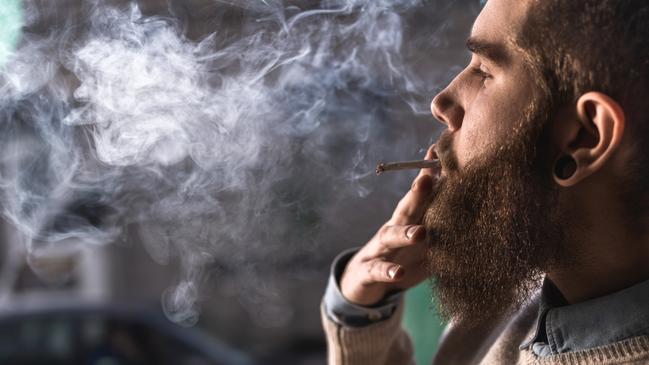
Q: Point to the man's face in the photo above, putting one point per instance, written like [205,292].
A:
[484,103]
[493,224]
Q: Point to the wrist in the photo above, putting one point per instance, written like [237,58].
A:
[344,312]
[361,294]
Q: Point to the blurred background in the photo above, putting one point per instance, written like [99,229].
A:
[177,175]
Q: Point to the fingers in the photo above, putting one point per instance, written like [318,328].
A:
[380,271]
[390,238]
[368,282]
[410,209]
[394,256]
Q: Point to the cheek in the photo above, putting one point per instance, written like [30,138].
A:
[478,131]
[488,123]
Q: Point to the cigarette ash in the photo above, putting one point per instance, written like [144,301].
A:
[230,154]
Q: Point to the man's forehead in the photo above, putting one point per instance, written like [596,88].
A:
[500,20]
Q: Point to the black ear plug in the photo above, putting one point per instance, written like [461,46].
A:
[565,167]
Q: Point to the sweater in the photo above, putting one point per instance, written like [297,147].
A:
[386,343]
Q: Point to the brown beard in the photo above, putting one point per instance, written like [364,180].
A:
[493,227]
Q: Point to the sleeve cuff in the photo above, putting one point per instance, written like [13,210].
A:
[345,313]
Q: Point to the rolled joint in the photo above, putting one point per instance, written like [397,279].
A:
[407,165]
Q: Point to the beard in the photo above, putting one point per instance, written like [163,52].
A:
[493,227]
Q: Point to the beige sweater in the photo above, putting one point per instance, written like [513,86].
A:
[386,343]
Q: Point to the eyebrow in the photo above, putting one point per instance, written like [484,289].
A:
[494,52]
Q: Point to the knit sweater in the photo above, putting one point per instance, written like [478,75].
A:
[386,343]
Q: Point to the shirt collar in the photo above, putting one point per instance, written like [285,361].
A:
[550,298]
[596,322]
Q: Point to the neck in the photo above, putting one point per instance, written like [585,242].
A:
[610,253]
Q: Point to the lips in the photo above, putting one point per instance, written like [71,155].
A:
[433,148]
[439,171]
[444,152]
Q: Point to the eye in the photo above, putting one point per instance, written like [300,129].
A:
[483,74]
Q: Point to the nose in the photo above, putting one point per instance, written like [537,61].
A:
[447,110]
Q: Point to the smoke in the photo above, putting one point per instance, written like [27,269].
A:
[227,152]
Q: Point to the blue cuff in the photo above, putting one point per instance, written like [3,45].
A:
[345,313]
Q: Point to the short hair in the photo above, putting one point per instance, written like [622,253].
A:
[577,46]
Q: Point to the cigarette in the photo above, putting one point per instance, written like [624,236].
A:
[407,165]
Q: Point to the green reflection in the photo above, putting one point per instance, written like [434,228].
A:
[422,323]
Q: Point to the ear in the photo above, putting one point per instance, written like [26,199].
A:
[591,136]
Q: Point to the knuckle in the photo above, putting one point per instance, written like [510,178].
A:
[400,207]
[383,232]
[374,268]
[370,268]
[401,215]
[401,204]
[386,236]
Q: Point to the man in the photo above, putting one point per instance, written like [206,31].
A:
[535,232]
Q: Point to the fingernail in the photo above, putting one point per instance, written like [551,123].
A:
[411,231]
[395,271]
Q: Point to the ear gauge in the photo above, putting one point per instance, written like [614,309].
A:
[565,167]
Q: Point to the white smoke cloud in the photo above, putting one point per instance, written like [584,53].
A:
[226,152]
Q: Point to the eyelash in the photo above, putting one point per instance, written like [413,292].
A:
[478,71]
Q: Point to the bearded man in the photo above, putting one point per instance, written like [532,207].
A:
[534,232]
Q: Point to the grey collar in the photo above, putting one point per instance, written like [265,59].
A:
[564,328]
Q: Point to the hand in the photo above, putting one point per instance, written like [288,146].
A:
[393,259]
